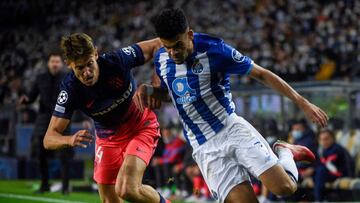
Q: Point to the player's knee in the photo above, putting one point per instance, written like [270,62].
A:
[106,200]
[109,197]
[285,189]
[127,191]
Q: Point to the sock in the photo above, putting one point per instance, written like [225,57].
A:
[163,200]
[286,160]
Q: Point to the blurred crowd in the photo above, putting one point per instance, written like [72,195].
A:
[298,40]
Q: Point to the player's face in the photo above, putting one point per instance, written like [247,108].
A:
[55,64]
[298,127]
[180,47]
[86,69]
[325,140]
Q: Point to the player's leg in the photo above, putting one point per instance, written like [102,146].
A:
[129,182]
[242,192]
[278,181]
[286,171]
[106,167]
[278,174]
[137,156]
[226,178]
[108,195]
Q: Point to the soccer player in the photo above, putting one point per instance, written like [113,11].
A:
[102,87]
[194,69]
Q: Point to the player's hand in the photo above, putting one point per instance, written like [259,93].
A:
[153,103]
[143,100]
[140,97]
[81,138]
[23,99]
[315,114]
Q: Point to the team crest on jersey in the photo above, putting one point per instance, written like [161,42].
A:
[237,56]
[63,97]
[197,67]
[181,88]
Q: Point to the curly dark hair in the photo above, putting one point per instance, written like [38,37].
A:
[170,22]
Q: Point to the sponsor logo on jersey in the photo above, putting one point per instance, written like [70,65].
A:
[116,103]
[237,56]
[129,50]
[180,87]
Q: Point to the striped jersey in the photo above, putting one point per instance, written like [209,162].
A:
[200,87]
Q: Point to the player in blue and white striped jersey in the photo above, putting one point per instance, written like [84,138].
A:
[194,70]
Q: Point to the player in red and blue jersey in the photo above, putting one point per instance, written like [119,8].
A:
[102,87]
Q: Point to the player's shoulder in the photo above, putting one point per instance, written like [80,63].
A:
[69,82]
[161,56]
[204,42]
[110,57]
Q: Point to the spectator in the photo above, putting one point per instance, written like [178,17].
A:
[350,140]
[167,167]
[200,191]
[333,164]
[47,87]
[302,135]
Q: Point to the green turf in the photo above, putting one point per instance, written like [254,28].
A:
[27,188]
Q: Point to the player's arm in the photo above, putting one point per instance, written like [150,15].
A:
[145,94]
[151,95]
[54,138]
[314,113]
[157,90]
[149,48]
[32,95]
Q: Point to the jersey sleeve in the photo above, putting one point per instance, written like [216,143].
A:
[229,60]
[64,106]
[130,56]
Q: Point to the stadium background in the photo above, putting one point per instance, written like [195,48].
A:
[315,45]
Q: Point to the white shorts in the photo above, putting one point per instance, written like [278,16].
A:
[226,159]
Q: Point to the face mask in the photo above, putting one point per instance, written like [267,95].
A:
[297,134]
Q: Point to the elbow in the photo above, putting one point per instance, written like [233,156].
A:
[46,143]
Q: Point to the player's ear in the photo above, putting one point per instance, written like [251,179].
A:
[70,64]
[191,34]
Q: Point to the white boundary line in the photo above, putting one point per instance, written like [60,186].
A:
[40,199]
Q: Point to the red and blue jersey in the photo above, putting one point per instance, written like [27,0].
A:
[108,102]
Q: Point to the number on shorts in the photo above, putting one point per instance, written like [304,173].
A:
[99,154]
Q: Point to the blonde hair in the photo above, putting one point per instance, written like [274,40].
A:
[76,46]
